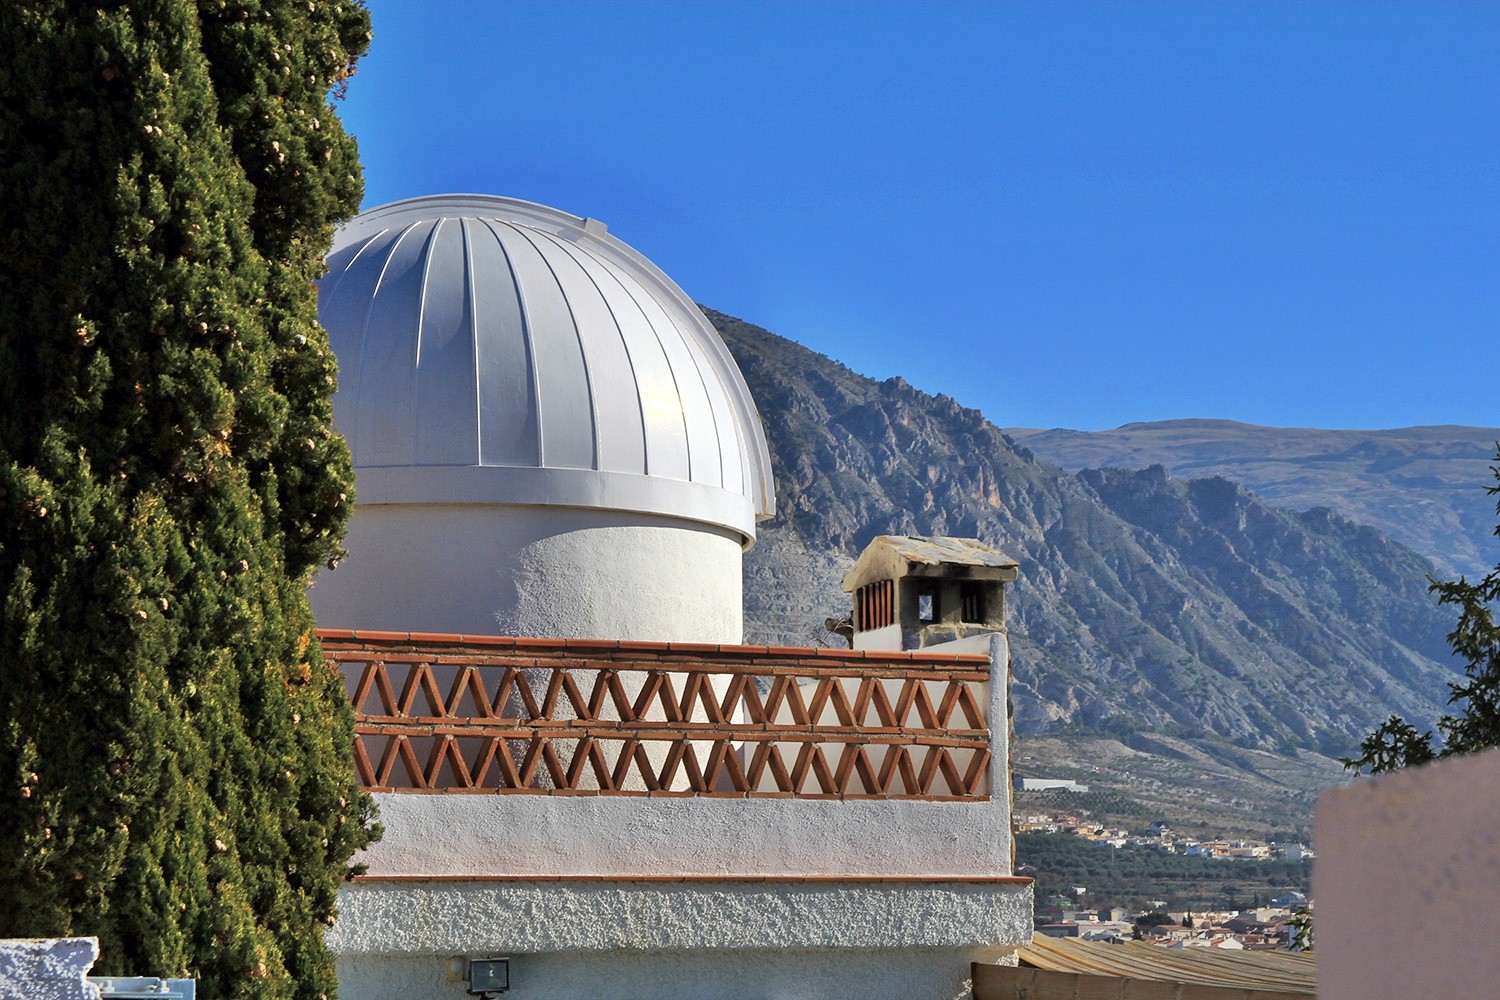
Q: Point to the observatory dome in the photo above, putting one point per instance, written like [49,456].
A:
[495,351]
[549,438]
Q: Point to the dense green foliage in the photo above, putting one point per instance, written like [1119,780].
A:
[173,752]
[1476,641]
[1134,874]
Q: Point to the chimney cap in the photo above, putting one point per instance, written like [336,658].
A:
[906,555]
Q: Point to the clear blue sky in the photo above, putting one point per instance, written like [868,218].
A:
[1065,214]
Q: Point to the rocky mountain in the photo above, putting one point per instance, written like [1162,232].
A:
[1423,486]
[1188,608]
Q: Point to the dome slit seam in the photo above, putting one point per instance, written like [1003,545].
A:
[413,415]
[469,290]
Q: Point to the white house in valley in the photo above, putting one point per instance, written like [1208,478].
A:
[579,767]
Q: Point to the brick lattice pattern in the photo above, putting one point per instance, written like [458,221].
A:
[586,717]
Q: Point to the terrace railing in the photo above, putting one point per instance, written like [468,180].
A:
[584,717]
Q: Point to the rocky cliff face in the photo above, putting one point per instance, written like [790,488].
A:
[1144,602]
[1423,486]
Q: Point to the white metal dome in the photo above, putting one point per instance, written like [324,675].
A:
[495,351]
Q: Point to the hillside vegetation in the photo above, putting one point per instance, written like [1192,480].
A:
[1132,875]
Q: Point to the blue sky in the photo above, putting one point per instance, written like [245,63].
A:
[1065,214]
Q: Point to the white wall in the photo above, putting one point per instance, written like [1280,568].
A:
[979,642]
[554,572]
[887,637]
[528,835]
[1408,871]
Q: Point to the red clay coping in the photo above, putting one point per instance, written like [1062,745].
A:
[367,637]
[707,879]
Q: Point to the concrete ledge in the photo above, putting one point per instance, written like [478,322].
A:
[378,917]
[447,485]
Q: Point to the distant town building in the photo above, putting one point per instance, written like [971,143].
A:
[1048,785]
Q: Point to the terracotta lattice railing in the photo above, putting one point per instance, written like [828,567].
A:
[495,714]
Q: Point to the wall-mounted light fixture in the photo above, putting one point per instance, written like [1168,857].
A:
[488,977]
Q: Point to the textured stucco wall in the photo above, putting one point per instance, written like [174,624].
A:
[534,571]
[452,917]
[679,940]
[47,968]
[1408,871]
[825,974]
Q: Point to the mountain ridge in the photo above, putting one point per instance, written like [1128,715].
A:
[1421,485]
[1145,602]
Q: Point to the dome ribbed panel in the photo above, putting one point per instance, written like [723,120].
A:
[617,404]
[345,298]
[664,425]
[508,429]
[692,394]
[566,405]
[384,414]
[445,399]
[731,475]
[521,355]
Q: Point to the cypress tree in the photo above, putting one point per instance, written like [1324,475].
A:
[174,755]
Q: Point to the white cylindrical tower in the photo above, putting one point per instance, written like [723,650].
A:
[549,438]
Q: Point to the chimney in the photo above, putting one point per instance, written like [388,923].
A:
[911,592]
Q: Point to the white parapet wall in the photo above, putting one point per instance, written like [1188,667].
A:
[624,837]
[685,896]
[636,835]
